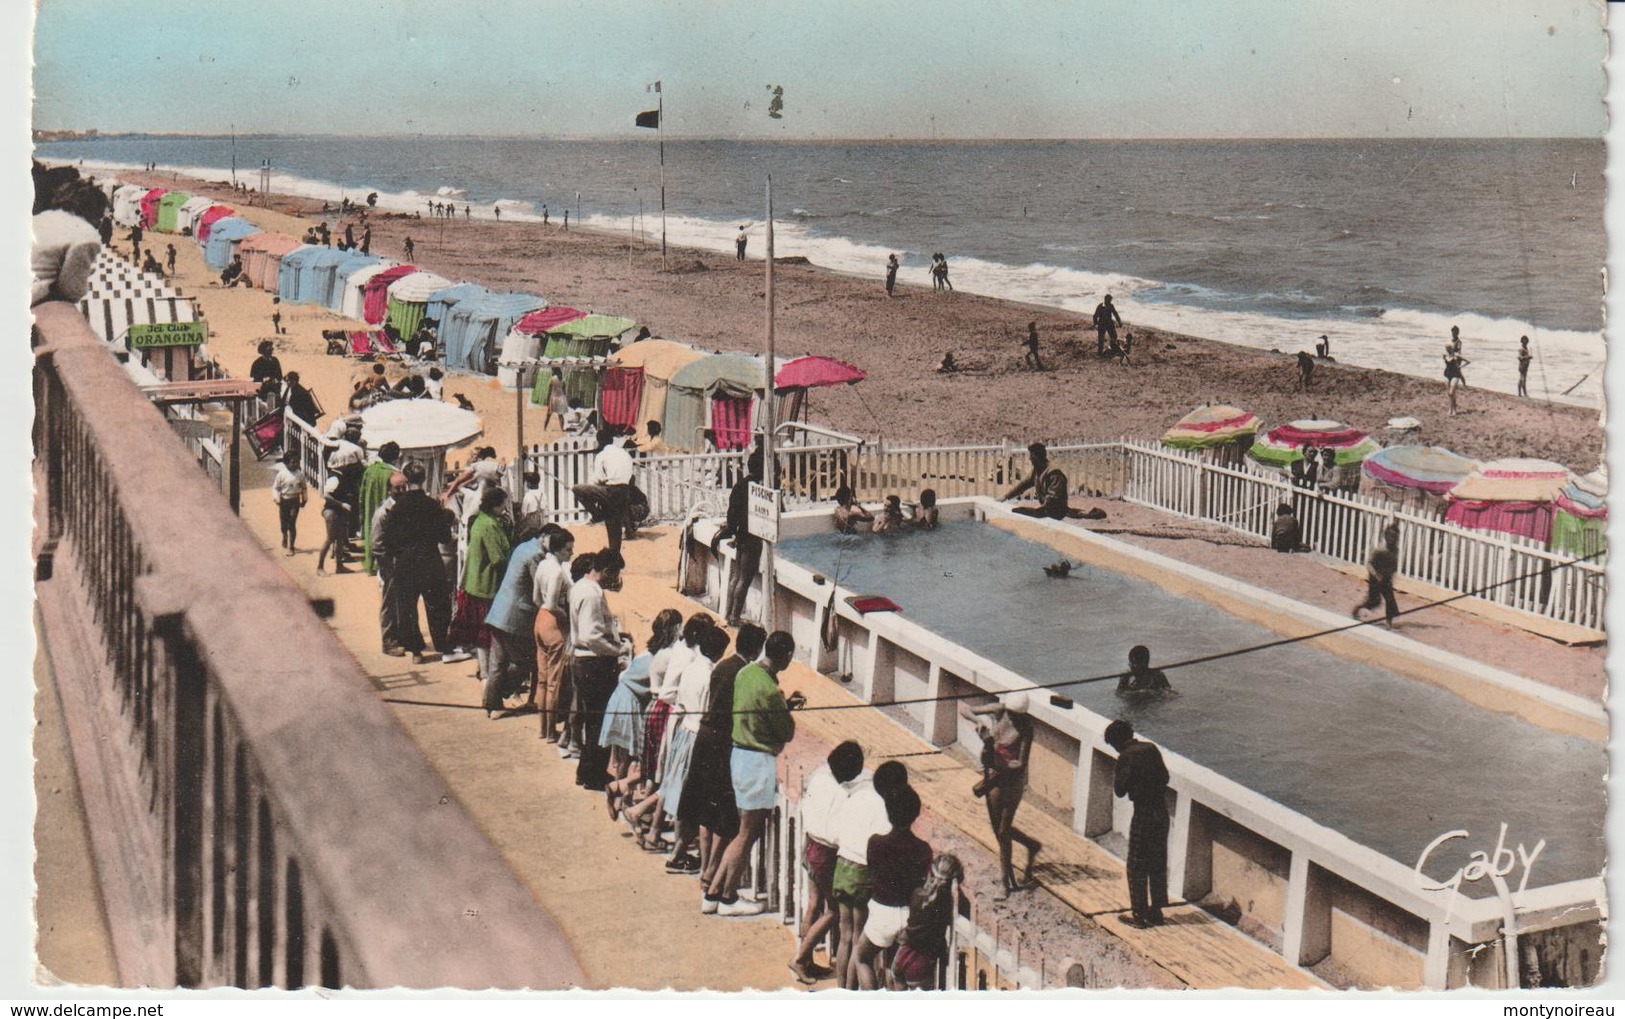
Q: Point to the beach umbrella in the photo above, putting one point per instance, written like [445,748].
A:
[408,299]
[815,371]
[1431,469]
[1279,447]
[1515,496]
[424,429]
[1210,426]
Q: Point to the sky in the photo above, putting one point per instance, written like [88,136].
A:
[948,68]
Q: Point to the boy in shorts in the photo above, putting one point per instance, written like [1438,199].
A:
[898,864]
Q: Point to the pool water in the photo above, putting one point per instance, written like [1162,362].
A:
[1391,763]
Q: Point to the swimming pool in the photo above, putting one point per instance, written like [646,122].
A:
[1389,762]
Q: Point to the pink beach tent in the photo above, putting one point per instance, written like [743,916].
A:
[149,207]
[375,293]
[262,257]
[1516,496]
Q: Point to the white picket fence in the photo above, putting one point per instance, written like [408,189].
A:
[1498,568]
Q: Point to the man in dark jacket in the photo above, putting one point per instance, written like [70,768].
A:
[747,546]
[417,526]
[1143,778]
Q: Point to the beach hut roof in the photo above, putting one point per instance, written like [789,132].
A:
[458,292]
[814,371]
[198,203]
[361,274]
[542,321]
[660,359]
[492,305]
[231,228]
[1428,468]
[1580,500]
[270,243]
[593,325]
[418,287]
[130,190]
[1211,425]
[352,261]
[312,256]
[738,372]
[1514,480]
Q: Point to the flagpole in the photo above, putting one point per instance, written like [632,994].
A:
[662,125]
[769,412]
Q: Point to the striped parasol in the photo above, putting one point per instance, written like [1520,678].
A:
[1211,425]
[1513,480]
[1428,468]
[1279,447]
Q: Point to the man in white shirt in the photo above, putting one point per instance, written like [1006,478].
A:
[288,492]
[609,495]
[823,794]
[348,460]
[598,647]
[862,816]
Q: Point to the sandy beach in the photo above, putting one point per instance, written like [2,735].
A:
[714,302]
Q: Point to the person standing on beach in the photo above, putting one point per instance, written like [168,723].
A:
[468,212]
[1454,382]
[1306,370]
[739,245]
[1379,576]
[276,316]
[892,266]
[169,259]
[1524,357]
[1031,343]
[544,215]
[556,401]
[135,243]
[326,234]
[566,220]
[1106,322]
[1143,778]
[366,239]
[408,246]
[349,236]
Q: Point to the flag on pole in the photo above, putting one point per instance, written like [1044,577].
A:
[650,118]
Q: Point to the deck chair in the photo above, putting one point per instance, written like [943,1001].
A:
[265,435]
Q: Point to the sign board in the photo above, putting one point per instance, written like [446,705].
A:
[167,334]
[764,512]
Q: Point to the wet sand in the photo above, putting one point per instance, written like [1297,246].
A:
[710,300]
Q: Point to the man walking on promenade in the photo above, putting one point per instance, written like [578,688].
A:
[1143,778]
[1106,322]
[417,526]
[1379,576]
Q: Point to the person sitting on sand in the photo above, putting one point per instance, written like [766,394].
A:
[1049,486]
[232,275]
[848,511]
[1286,532]
[947,366]
[1323,348]
[434,388]
[891,516]
[925,517]
[1141,679]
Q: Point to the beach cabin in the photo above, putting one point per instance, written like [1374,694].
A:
[644,369]
[127,204]
[471,330]
[526,340]
[329,280]
[375,292]
[224,237]
[262,257]
[720,393]
[590,336]
[149,208]
[442,301]
[1580,520]
[1516,496]
[294,272]
[352,298]
[408,298]
[169,208]
[205,222]
[186,216]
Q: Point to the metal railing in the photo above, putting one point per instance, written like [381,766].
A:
[270,822]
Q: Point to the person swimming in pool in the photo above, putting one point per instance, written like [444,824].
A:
[1141,680]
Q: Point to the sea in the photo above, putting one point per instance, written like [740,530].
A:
[1380,245]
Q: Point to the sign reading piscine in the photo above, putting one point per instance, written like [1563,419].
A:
[167,334]
[764,512]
